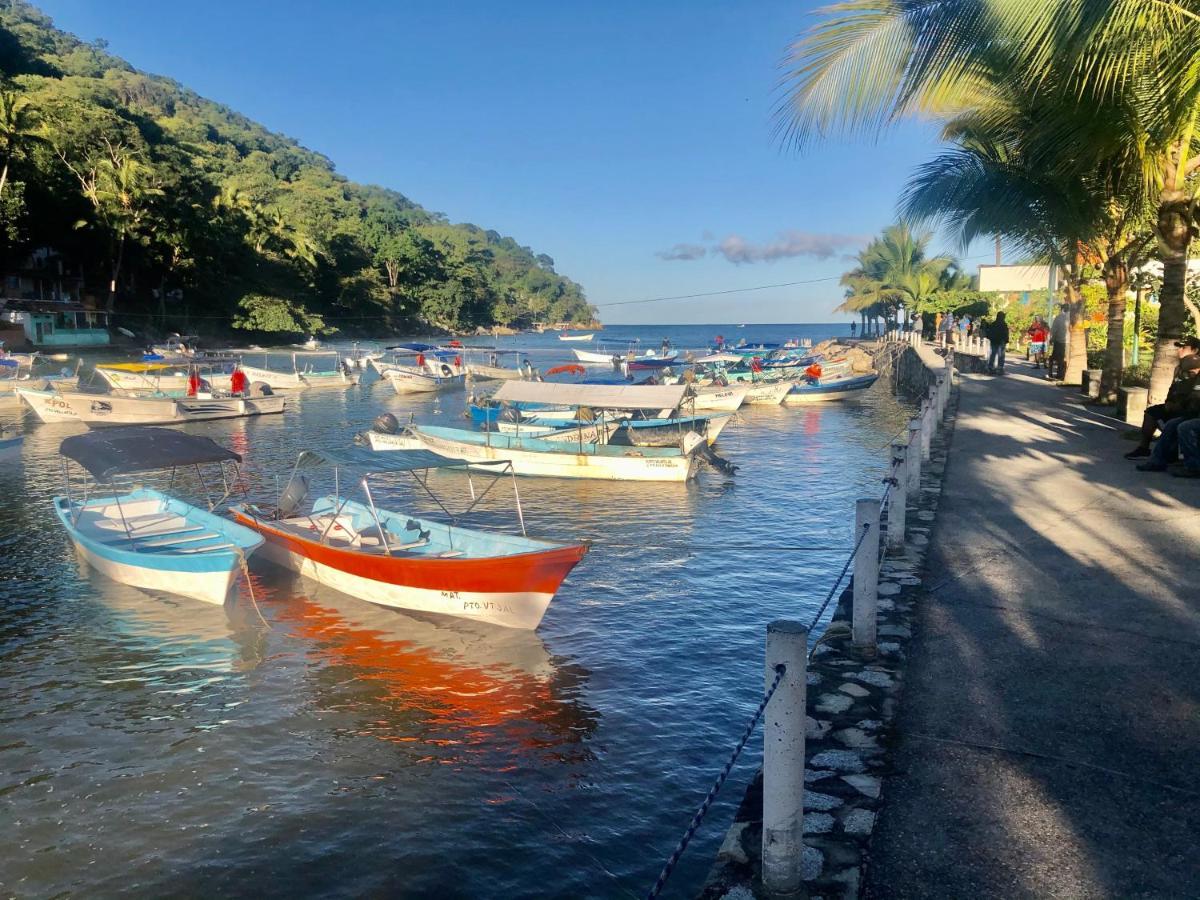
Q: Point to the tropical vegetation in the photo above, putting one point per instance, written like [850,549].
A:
[181,213]
[894,276]
[1072,130]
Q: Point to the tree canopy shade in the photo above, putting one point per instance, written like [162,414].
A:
[1083,114]
[181,212]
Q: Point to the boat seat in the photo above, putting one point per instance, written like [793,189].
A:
[368,540]
[157,537]
[188,538]
[448,554]
[208,549]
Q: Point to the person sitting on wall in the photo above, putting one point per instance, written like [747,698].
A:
[1184,408]
[1189,449]
[1160,413]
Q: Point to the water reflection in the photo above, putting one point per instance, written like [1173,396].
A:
[454,689]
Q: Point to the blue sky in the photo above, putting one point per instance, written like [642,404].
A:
[610,136]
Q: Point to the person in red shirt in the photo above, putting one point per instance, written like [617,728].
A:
[193,383]
[238,382]
[1038,333]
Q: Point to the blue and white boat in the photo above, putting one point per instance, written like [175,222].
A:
[824,389]
[143,537]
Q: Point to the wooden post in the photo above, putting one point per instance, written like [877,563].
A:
[783,759]
[898,504]
[866,576]
[914,455]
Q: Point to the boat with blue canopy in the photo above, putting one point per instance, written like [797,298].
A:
[139,535]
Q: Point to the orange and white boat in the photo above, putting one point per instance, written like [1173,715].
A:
[393,559]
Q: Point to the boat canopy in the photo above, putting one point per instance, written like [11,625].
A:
[721,358]
[139,366]
[368,462]
[413,348]
[598,396]
[141,448]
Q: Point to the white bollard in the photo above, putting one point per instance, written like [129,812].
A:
[914,455]
[898,504]
[927,414]
[783,759]
[866,575]
[941,396]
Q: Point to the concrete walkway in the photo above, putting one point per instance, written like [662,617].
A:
[1048,741]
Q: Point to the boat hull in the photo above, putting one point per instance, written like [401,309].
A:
[633,466]
[842,389]
[206,576]
[108,409]
[511,591]
[720,398]
[493,373]
[768,393]
[587,356]
[412,381]
[48,406]
[576,337]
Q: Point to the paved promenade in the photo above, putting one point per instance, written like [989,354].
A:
[1048,740]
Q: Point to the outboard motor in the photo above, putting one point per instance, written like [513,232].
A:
[386,424]
[695,444]
[260,389]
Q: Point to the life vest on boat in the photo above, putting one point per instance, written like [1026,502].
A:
[813,372]
[756,365]
[420,360]
[238,382]
[458,362]
[193,384]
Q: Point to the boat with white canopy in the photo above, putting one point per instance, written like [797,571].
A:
[140,536]
[309,370]
[399,560]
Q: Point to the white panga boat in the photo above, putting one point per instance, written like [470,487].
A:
[143,537]
[719,397]
[413,380]
[393,559]
[110,409]
[576,337]
[587,356]
[49,405]
[483,372]
[766,393]
[305,373]
[531,456]
[20,371]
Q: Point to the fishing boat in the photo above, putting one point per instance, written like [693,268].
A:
[141,536]
[20,371]
[576,337]
[587,356]
[719,397]
[399,560]
[97,410]
[48,405]
[532,456]
[144,377]
[304,373]
[648,362]
[765,393]
[10,439]
[413,380]
[824,389]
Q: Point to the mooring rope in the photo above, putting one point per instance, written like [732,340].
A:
[846,568]
[665,874]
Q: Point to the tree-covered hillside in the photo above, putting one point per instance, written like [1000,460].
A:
[180,213]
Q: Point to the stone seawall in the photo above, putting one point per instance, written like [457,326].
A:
[852,697]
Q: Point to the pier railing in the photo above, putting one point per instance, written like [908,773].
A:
[880,531]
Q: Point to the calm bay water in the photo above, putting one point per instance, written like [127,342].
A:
[151,745]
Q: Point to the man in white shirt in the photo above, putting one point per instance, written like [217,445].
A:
[1059,329]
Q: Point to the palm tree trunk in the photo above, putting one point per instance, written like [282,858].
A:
[1116,282]
[3,178]
[1077,339]
[1174,236]
[116,273]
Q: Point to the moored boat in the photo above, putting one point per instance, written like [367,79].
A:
[97,410]
[394,559]
[719,397]
[143,537]
[821,390]
[577,337]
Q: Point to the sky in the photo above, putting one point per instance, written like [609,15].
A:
[632,142]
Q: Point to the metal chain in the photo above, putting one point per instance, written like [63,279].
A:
[836,584]
[780,670]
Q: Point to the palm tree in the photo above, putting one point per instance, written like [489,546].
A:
[19,126]
[870,63]
[120,187]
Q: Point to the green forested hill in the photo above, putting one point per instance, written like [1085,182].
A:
[202,218]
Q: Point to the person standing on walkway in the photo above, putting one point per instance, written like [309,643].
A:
[945,329]
[853,328]
[997,334]
[918,324]
[1059,329]
[1037,341]
[1159,414]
